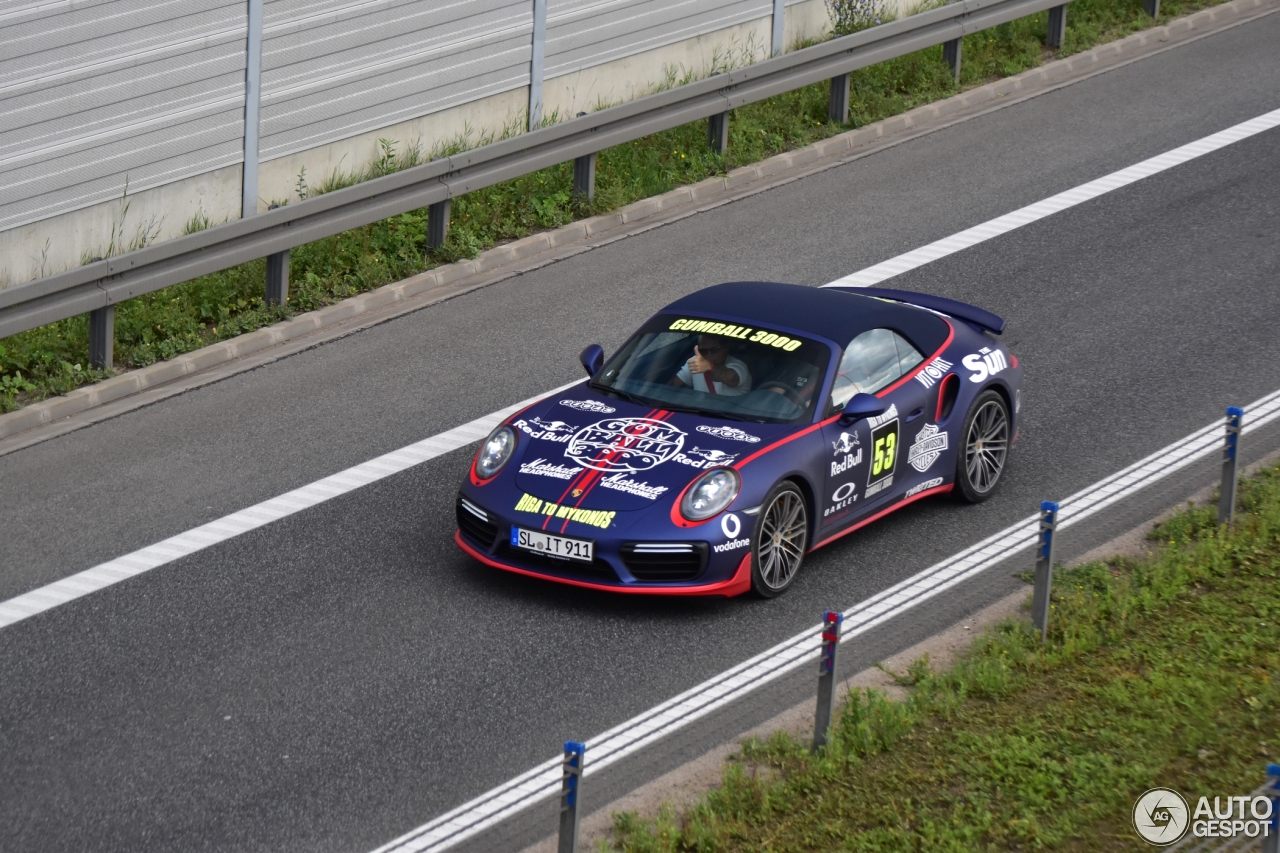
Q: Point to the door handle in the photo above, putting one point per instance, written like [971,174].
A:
[917,413]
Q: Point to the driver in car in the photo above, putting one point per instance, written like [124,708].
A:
[712,370]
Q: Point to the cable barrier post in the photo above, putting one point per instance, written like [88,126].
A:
[831,622]
[1271,841]
[1230,460]
[1044,568]
[574,754]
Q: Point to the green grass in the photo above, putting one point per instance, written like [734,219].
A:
[51,360]
[1161,672]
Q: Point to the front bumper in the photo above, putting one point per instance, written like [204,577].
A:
[486,539]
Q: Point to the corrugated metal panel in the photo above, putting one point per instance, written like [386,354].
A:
[584,33]
[332,70]
[94,93]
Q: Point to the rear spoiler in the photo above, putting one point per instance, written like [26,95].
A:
[960,310]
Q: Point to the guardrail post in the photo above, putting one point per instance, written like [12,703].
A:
[1057,26]
[831,622]
[718,132]
[584,176]
[102,336]
[574,754]
[1230,462]
[838,104]
[1271,842]
[438,223]
[1044,568]
[1151,7]
[951,56]
[277,275]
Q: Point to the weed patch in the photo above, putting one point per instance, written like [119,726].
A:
[1164,671]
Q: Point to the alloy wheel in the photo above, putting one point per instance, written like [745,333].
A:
[784,532]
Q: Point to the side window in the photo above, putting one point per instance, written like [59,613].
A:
[908,356]
[870,362]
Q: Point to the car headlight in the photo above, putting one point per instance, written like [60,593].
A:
[710,494]
[495,452]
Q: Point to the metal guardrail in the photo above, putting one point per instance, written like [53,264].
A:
[98,286]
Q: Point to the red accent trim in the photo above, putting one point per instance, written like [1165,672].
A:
[942,393]
[940,490]
[950,337]
[736,585]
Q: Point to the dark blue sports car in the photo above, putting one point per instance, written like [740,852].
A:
[740,428]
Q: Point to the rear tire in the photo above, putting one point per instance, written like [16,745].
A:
[779,541]
[984,448]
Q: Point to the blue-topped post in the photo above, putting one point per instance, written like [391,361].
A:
[574,753]
[831,622]
[1044,568]
[1271,841]
[1230,460]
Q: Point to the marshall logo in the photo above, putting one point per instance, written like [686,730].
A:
[928,446]
[546,430]
[621,483]
[729,433]
[625,444]
[589,406]
[845,443]
[933,371]
[543,468]
[707,458]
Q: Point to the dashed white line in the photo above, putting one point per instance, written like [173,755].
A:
[1055,204]
[153,556]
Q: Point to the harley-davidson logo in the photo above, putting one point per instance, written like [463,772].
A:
[928,446]
[625,444]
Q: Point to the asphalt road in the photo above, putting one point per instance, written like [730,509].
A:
[336,678]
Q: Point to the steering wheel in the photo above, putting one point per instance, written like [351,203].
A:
[787,391]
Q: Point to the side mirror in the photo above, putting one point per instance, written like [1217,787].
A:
[861,406]
[592,359]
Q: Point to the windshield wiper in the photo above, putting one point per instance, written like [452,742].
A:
[630,398]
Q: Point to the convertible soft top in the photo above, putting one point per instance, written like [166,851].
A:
[838,316]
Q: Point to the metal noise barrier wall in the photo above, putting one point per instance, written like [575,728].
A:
[107,282]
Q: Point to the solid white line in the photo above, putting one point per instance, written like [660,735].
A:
[1055,204]
[543,781]
[186,543]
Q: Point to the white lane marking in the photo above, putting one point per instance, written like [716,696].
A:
[543,781]
[1054,204]
[153,556]
[197,539]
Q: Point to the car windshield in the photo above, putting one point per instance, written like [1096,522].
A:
[720,369]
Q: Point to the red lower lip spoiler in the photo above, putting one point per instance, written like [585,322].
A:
[736,585]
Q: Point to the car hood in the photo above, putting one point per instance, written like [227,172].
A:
[601,452]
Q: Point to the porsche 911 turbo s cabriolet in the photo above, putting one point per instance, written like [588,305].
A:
[740,428]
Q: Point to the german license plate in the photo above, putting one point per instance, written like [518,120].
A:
[552,546]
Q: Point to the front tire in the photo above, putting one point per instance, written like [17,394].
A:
[984,449]
[779,541]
